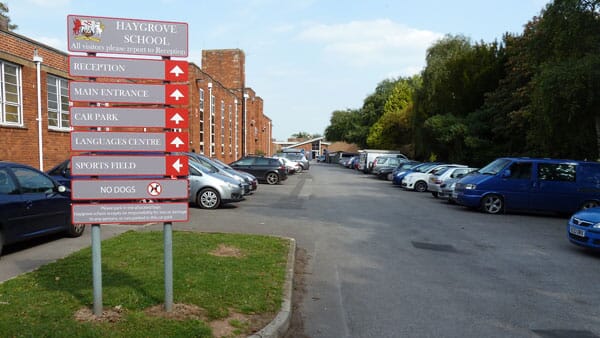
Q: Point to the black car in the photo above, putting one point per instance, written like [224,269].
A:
[266,169]
[32,204]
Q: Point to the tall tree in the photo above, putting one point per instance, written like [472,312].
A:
[346,126]
[4,14]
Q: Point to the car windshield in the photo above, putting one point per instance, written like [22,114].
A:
[425,167]
[494,167]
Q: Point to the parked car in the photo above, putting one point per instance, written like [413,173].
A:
[251,179]
[399,174]
[32,204]
[266,169]
[583,228]
[434,185]
[532,184]
[448,191]
[208,163]
[321,158]
[291,166]
[209,189]
[367,156]
[296,156]
[385,162]
[418,179]
[387,173]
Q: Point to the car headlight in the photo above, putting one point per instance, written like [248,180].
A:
[470,186]
[453,185]
[596,226]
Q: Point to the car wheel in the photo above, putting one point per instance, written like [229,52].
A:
[76,230]
[589,204]
[421,186]
[208,198]
[492,204]
[272,178]
[299,169]
[390,177]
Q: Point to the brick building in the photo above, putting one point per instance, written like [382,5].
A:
[216,109]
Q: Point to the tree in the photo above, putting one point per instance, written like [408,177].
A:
[301,134]
[4,13]
[346,126]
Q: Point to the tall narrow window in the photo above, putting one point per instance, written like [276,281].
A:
[212,125]
[11,103]
[201,121]
[230,132]
[58,102]
[222,127]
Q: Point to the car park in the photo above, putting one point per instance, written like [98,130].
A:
[209,189]
[531,184]
[583,228]
[32,204]
[266,169]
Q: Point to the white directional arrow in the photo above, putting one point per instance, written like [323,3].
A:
[177,71]
[177,165]
[177,95]
[177,118]
[177,142]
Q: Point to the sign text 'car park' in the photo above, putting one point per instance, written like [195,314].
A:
[129,117]
[115,165]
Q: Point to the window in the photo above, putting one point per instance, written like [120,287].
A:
[7,186]
[564,172]
[201,100]
[520,170]
[212,125]
[222,127]
[58,102]
[32,181]
[11,105]
[230,132]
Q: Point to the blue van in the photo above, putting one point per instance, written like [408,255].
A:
[531,184]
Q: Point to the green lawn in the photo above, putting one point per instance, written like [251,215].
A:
[247,280]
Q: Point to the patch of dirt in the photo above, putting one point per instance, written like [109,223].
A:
[296,329]
[108,316]
[179,312]
[227,251]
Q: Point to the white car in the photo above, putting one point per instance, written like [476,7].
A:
[417,180]
[434,185]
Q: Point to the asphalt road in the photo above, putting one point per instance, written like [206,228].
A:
[383,262]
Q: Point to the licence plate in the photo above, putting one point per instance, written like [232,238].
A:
[577,232]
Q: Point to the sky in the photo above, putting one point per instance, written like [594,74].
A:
[304,58]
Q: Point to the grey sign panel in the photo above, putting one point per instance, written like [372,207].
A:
[112,67]
[117,117]
[129,189]
[117,141]
[116,92]
[129,213]
[118,165]
[127,36]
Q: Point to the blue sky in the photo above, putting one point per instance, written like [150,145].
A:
[305,58]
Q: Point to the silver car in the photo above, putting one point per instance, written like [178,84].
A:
[211,165]
[209,189]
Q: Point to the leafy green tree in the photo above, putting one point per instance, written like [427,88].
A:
[345,125]
[4,13]
[302,134]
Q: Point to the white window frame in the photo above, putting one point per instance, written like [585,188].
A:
[3,102]
[58,81]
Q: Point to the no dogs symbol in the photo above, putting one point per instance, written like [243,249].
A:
[154,189]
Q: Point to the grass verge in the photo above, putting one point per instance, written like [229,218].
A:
[225,285]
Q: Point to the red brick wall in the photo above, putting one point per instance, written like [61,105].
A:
[20,144]
[228,66]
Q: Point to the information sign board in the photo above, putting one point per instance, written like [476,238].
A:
[128,93]
[88,66]
[129,189]
[125,141]
[128,165]
[129,213]
[95,34]
[129,117]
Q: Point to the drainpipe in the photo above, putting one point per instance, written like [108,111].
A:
[38,64]
[210,120]
[245,139]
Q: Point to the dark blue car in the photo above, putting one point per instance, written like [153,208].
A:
[583,228]
[32,204]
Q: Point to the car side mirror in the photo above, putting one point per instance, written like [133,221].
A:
[66,173]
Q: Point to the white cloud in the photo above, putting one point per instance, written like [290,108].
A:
[382,41]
